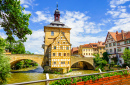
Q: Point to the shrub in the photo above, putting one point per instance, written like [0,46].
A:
[4,63]
[70,70]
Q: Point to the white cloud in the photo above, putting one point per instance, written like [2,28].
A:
[114,3]
[129,6]
[120,16]
[35,41]
[26,6]
[41,16]
[26,12]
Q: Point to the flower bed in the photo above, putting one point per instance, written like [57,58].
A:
[107,79]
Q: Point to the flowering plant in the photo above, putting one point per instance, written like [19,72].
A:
[79,79]
[73,80]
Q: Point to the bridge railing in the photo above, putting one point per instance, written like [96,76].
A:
[47,80]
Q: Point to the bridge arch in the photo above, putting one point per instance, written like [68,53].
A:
[82,65]
[14,58]
[87,60]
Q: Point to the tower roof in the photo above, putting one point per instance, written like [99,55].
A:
[56,22]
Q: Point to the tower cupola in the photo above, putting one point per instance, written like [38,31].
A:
[57,14]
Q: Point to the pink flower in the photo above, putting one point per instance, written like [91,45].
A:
[71,82]
[58,81]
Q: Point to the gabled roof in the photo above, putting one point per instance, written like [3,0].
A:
[113,34]
[58,36]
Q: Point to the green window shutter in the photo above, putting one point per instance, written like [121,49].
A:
[115,44]
[124,42]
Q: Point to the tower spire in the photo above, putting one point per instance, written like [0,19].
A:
[57,5]
[57,14]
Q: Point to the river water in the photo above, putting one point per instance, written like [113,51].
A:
[36,73]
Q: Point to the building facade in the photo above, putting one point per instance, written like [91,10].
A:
[87,50]
[74,51]
[57,47]
[115,44]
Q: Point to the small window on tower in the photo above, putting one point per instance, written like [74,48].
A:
[68,54]
[63,42]
[52,33]
[59,54]
[54,47]
[67,48]
[56,17]
[61,47]
[54,62]
[64,54]
[53,54]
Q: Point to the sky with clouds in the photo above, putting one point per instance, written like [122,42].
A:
[90,20]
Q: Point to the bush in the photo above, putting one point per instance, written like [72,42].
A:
[4,63]
[70,70]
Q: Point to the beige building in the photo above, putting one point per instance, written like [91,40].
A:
[116,43]
[87,50]
[57,47]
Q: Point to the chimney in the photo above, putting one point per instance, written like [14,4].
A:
[116,32]
[122,32]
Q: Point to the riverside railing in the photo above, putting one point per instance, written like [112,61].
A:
[47,80]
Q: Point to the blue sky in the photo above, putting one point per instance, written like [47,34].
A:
[90,20]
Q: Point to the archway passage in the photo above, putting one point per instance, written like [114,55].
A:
[23,63]
[82,62]
[82,65]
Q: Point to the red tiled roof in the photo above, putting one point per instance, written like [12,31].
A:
[75,48]
[119,36]
[113,34]
[94,45]
[86,46]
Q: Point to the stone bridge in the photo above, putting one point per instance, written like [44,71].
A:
[88,61]
[14,58]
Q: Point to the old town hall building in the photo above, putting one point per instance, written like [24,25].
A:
[57,47]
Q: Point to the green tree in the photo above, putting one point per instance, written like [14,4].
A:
[9,41]
[27,52]
[126,56]
[105,56]
[19,48]
[15,22]
[99,62]
[4,63]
